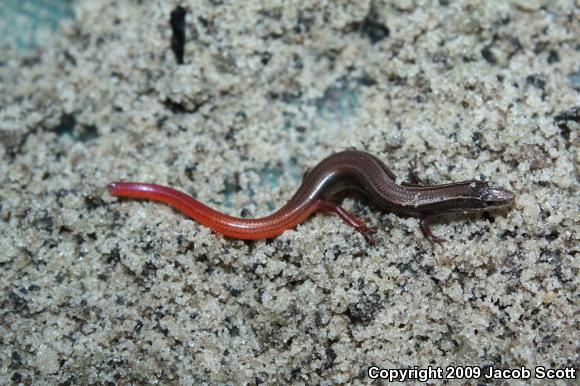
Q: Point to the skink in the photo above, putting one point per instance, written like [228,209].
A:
[346,170]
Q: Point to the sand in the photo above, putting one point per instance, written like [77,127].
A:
[97,289]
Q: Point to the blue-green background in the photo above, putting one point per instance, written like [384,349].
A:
[24,24]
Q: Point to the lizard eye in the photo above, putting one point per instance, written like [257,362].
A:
[488,198]
[495,196]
